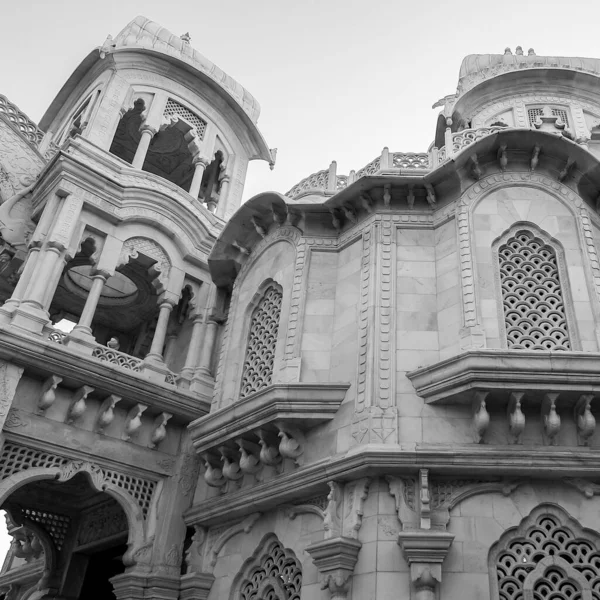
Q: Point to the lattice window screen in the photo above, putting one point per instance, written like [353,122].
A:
[277,566]
[547,536]
[534,113]
[534,311]
[175,109]
[16,458]
[56,525]
[260,352]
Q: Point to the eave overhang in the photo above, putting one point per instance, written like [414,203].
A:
[453,381]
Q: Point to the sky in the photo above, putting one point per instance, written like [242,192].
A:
[336,79]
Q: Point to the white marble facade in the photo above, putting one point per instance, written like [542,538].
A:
[375,386]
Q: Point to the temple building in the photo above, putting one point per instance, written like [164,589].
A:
[376,386]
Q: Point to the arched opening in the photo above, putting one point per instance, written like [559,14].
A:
[127,136]
[68,539]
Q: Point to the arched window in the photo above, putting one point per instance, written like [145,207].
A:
[548,556]
[262,339]
[532,295]
[272,573]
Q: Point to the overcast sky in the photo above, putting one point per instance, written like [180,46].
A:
[336,79]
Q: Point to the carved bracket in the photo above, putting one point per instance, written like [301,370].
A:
[335,558]
[583,417]
[78,403]
[516,418]
[106,415]
[48,394]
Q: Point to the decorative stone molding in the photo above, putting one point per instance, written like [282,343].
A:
[403,491]
[425,552]
[244,526]
[375,418]
[335,558]
[196,586]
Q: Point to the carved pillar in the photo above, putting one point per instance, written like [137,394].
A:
[335,558]
[193,353]
[200,164]
[148,132]
[30,266]
[425,552]
[160,332]
[208,347]
[225,180]
[85,321]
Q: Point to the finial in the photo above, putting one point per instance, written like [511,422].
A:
[519,50]
[186,38]
[507,50]
[531,52]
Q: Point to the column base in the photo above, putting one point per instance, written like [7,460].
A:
[141,586]
[81,340]
[202,385]
[155,371]
[30,318]
[196,586]
[7,310]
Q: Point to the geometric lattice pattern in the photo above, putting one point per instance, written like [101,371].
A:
[173,109]
[21,121]
[534,113]
[260,353]
[534,311]
[55,525]
[140,489]
[16,458]
[277,576]
[552,558]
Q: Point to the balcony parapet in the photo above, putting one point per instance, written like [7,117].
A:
[327,182]
[50,359]
[243,437]
[453,381]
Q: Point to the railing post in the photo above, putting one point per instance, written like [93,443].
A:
[332,177]
[448,139]
[385,162]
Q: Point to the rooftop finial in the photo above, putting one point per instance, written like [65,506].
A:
[531,52]
[507,50]
[519,50]
[186,37]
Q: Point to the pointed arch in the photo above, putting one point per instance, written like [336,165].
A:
[272,572]
[548,555]
[261,345]
[531,279]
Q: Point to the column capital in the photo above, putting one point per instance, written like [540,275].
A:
[199,159]
[335,558]
[151,129]
[100,273]
[425,551]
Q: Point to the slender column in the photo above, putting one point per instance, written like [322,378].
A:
[200,164]
[85,321]
[207,348]
[41,285]
[448,139]
[191,360]
[225,180]
[24,279]
[160,332]
[148,132]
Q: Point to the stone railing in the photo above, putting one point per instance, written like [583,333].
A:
[21,121]
[329,182]
[57,336]
[118,358]
[463,139]
[317,182]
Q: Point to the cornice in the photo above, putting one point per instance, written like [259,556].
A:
[377,460]
[452,380]
[305,404]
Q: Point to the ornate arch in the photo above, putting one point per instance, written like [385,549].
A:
[99,482]
[480,190]
[134,245]
[272,572]
[530,275]
[548,553]
[262,320]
